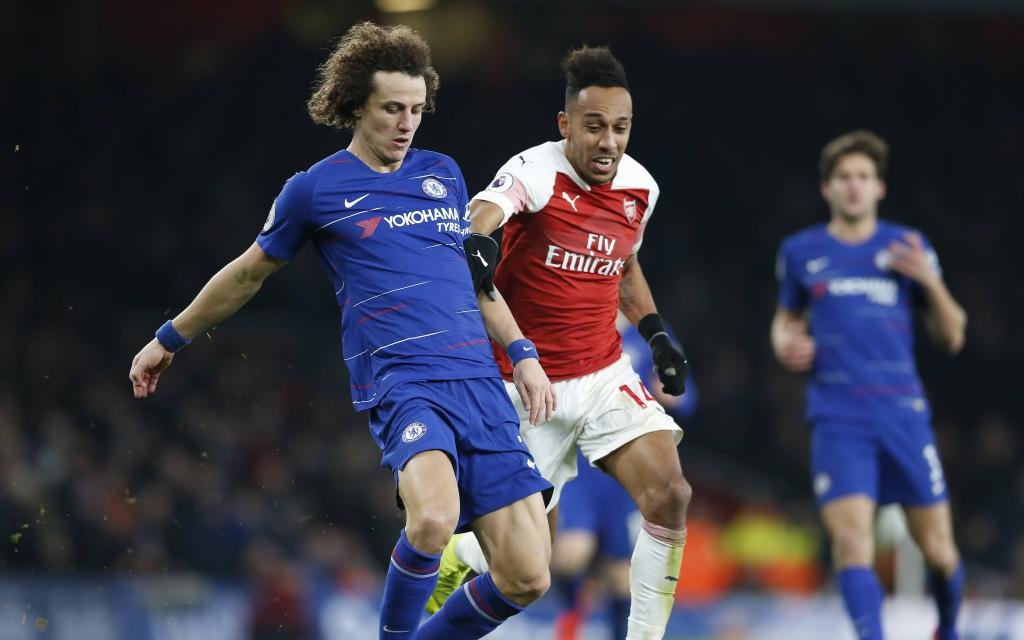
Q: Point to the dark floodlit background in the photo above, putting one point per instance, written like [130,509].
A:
[143,144]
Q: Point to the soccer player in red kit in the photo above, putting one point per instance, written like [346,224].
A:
[574,213]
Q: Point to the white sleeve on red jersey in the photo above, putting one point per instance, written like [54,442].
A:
[633,175]
[527,180]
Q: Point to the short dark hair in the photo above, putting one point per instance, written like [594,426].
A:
[861,141]
[345,80]
[591,67]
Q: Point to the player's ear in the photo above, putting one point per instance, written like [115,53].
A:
[881,189]
[823,189]
[563,124]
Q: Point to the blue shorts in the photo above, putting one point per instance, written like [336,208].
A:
[595,502]
[471,420]
[891,460]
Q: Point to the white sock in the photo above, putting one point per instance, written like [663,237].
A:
[653,576]
[468,550]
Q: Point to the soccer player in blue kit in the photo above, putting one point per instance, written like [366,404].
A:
[389,224]
[847,292]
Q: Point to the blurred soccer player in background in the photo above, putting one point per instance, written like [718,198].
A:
[847,292]
[576,211]
[598,523]
[388,222]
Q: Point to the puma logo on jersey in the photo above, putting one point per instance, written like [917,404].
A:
[480,257]
[571,201]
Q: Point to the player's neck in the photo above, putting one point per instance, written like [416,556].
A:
[847,229]
[370,159]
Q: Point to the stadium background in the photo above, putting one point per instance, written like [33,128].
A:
[144,144]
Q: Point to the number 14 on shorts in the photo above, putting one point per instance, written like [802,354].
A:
[637,396]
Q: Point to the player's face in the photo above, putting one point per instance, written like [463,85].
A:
[596,130]
[854,190]
[389,119]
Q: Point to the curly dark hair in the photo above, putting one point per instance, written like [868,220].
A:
[591,67]
[861,141]
[345,80]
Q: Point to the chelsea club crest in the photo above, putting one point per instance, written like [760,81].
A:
[434,189]
[414,431]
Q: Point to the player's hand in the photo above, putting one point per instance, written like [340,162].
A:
[482,256]
[670,364]
[535,390]
[147,366]
[797,352]
[909,258]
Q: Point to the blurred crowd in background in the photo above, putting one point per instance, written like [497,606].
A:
[143,153]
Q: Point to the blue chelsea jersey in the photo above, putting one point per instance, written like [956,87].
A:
[860,316]
[391,244]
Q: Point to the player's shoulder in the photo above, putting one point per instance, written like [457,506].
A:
[890,229]
[633,175]
[807,238]
[426,159]
[550,154]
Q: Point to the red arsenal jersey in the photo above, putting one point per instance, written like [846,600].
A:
[564,246]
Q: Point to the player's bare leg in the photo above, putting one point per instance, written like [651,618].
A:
[430,493]
[850,524]
[517,544]
[649,469]
[932,529]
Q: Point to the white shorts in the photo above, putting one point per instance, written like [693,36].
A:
[599,412]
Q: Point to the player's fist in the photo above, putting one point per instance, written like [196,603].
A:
[482,256]
[147,366]
[670,364]
[796,351]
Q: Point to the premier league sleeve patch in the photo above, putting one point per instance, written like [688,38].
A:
[414,431]
[502,182]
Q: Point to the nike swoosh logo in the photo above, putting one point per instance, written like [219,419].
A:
[348,205]
[386,630]
[527,348]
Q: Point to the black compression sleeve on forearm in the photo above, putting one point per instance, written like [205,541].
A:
[650,326]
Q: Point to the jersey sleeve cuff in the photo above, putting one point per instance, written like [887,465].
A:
[499,199]
[265,244]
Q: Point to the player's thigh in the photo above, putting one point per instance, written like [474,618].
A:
[850,523]
[573,551]
[553,443]
[931,527]
[910,469]
[844,461]
[427,484]
[515,540]
[649,469]
[628,434]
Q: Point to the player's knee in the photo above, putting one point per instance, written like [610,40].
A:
[665,505]
[852,546]
[939,551]
[430,531]
[523,585]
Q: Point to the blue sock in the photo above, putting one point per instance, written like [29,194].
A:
[947,592]
[412,575]
[470,613]
[862,595]
[569,587]
[618,608]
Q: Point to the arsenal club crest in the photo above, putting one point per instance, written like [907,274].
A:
[629,208]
